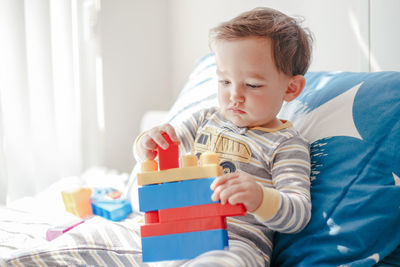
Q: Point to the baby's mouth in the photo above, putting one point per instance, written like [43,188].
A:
[236,110]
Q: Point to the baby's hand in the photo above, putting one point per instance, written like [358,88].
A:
[237,187]
[152,138]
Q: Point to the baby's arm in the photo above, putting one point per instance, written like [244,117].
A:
[291,178]
[286,207]
[146,144]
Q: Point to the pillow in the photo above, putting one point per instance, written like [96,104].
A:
[352,123]
[199,92]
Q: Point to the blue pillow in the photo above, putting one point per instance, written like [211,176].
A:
[352,120]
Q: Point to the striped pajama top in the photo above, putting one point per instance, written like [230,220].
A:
[276,158]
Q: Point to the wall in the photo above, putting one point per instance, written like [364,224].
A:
[338,27]
[385,37]
[135,49]
[350,35]
[150,47]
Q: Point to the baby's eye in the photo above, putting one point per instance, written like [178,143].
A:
[253,85]
[224,82]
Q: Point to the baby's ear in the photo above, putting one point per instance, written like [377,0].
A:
[295,87]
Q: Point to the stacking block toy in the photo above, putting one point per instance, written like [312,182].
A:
[183,246]
[181,220]
[176,227]
[56,231]
[173,175]
[175,194]
[168,158]
[200,211]
[108,204]
[77,201]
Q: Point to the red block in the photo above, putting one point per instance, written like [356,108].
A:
[176,227]
[168,158]
[201,211]
[151,217]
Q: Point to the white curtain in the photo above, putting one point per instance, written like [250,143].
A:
[40,95]
[3,178]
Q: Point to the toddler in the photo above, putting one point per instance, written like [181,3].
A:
[261,57]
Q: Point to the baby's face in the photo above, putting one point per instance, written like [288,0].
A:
[251,89]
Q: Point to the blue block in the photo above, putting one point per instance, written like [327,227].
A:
[175,194]
[114,211]
[111,209]
[183,246]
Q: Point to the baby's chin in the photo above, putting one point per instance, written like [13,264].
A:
[239,123]
[236,119]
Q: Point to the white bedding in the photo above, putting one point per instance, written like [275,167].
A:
[97,241]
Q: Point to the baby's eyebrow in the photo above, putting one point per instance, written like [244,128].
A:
[218,72]
[255,76]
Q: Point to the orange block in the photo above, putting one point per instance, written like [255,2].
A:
[77,201]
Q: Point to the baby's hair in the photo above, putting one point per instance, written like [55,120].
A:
[292,44]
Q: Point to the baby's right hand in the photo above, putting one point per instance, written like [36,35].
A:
[153,138]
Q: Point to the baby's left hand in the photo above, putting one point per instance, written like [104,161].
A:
[237,187]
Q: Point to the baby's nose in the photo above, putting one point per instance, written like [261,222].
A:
[236,94]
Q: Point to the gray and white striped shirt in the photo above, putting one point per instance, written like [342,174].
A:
[278,159]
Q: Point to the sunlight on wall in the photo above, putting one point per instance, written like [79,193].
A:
[364,44]
[92,35]
[75,56]
[100,92]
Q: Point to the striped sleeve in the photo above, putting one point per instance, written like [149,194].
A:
[290,176]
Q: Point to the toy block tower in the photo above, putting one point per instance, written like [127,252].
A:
[181,220]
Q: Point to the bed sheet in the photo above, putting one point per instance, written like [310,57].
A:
[96,242]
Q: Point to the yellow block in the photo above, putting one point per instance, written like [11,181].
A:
[77,201]
[179,174]
[209,168]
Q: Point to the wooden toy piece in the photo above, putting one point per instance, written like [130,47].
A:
[168,158]
[77,201]
[176,227]
[209,168]
[190,245]
[175,195]
[201,211]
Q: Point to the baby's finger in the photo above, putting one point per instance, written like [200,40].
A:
[230,191]
[223,179]
[168,129]
[157,137]
[251,198]
[150,154]
[237,198]
[216,193]
[147,143]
